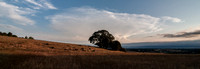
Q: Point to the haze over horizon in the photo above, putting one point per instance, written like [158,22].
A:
[74,21]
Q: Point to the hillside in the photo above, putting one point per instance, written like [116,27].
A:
[20,53]
[13,45]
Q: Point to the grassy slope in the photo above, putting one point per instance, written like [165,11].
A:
[17,53]
[12,45]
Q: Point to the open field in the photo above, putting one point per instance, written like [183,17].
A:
[18,53]
[100,62]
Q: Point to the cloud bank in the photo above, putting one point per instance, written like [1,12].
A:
[183,34]
[79,23]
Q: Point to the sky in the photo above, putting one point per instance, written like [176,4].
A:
[74,21]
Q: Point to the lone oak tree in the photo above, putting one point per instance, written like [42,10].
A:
[104,39]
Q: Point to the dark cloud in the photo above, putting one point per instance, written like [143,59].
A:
[183,34]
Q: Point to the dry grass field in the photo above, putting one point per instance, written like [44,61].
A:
[19,53]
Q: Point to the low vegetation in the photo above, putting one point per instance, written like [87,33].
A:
[7,34]
[12,35]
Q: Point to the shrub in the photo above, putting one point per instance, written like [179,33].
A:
[9,34]
[14,35]
[4,34]
[0,33]
[26,37]
[30,37]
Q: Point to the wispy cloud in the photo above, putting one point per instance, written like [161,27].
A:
[171,19]
[16,14]
[11,12]
[82,22]
[38,4]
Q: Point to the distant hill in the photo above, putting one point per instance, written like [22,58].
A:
[165,45]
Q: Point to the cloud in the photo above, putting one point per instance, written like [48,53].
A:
[16,14]
[183,34]
[171,19]
[38,4]
[79,23]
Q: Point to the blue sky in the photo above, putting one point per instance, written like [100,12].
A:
[73,21]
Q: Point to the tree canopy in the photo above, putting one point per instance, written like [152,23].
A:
[104,39]
[101,38]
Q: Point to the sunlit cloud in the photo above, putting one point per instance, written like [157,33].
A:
[82,22]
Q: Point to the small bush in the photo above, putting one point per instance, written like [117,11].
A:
[9,34]
[4,34]
[26,37]
[30,37]
[12,35]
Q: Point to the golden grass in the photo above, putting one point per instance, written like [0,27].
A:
[100,62]
[12,45]
[18,53]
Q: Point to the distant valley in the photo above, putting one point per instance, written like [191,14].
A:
[195,44]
